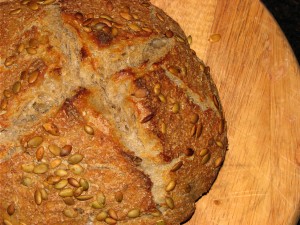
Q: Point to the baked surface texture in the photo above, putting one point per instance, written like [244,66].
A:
[106,116]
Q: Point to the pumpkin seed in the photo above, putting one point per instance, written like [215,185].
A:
[102,216]
[32,77]
[66,150]
[84,197]
[171,186]
[169,34]
[44,194]
[28,168]
[110,221]
[221,126]
[163,128]
[55,163]
[74,159]
[61,184]
[162,98]
[97,205]
[160,222]
[175,108]
[11,209]
[7,222]
[10,60]
[190,39]
[156,213]
[54,149]
[51,128]
[160,17]
[126,15]
[35,141]
[194,118]
[141,93]
[114,31]
[53,179]
[220,144]
[68,192]
[33,5]
[84,183]
[78,191]
[203,152]
[134,27]
[134,213]
[216,102]
[179,39]
[170,202]
[31,51]
[27,181]
[89,130]
[38,197]
[119,196]
[173,70]
[205,159]
[73,182]
[70,213]
[218,162]
[61,173]
[16,87]
[41,168]
[177,166]
[101,198]
[199,130]
[112,213]
[69,201]
[214,38]
[157,89]
[15,11]
[39,154]
[148,118]
[76,169]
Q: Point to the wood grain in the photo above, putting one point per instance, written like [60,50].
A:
[259,83]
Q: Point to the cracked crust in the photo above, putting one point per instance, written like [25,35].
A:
[108,93]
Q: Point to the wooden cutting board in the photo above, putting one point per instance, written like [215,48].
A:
[259,84]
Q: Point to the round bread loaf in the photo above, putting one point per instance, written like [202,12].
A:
[107,116]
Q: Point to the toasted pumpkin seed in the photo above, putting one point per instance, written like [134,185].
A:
[10,60]
[160,17]
[101,198]
[55,163]
[114,31]
[203,152]
[134,27]
[44,194]
[84,183]
[102,216]
[32,77]
[16,87]
[148,118]
[84,197]
[112,213]
[69,201]
[70,213]
[11,209]
[76,158]
[169,34]
[61,173]
[35,141]
[15,11]
[31,51]
[190,39]
[51,128]
[194,118]
[156,213]
[89,130]
[218,162]
[66,150]
[110,221]
[160,222]
[97,205]
[177,166]
[38,197]
[7,222]
[189,152]
[179,39]
[216,102]
[76,169]
[162,98]
[220,144]
[39,154]
[173,70]
[157,89]
[205,159]
[78,191]
[126,15]
[68,192]
[28,168]
[72,181]
[21,47]
[54,149]
[214,38]
[53,179]
[61,184]
[119,196]
[163,128]
[27,181]
[33,5]
[175,108]
[171,186]
[41,168]
[141,93]
[199,130]
[170,202]
[134,213]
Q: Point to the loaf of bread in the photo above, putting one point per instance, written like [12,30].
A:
[106,115]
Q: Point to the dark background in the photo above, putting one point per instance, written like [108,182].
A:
[287,14]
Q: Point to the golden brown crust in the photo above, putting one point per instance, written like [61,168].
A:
[103,100]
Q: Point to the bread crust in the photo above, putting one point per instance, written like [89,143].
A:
[103,100]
